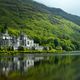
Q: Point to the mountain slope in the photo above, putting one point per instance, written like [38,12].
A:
[45,25]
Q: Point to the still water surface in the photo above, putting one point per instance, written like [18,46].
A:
[41,67]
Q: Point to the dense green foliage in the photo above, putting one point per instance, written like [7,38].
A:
[47,26]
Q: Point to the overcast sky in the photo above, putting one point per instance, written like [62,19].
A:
[70,6]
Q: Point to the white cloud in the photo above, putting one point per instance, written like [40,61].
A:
[71,6]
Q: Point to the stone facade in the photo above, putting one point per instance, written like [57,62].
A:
[22,40]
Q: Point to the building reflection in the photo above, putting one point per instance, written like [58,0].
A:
[17,63]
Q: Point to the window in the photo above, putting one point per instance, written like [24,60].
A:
[28,42]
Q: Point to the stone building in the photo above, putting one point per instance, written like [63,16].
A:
[5,40]
[25,42]
[22,40]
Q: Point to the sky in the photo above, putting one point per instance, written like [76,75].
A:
[70,6]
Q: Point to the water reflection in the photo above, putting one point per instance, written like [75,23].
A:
[17,63]
[40,65]
[56,67]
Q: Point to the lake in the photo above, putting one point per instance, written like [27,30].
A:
[63,66]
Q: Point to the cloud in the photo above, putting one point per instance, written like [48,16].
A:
[70,6]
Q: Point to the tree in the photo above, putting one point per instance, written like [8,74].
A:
[56,42]
[21,48]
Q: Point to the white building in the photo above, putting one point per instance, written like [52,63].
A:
[25,42]
[7,41]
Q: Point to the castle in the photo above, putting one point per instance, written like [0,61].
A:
[22,40]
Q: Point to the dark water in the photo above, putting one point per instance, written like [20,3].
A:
[40,67]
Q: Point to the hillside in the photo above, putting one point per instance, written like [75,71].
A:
[47,26]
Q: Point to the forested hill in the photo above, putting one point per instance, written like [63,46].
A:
[47,26]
